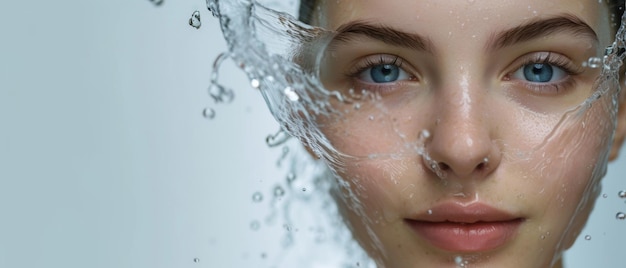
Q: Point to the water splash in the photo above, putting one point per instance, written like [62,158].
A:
[194,20]
[282,60]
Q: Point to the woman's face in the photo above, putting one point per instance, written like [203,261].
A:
[471,135]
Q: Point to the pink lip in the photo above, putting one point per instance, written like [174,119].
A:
[473,227]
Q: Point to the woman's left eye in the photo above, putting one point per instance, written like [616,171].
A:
[540,73]
[383,73]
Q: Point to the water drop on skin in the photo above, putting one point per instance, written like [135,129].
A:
[257,197]
[593,62]
[194,21]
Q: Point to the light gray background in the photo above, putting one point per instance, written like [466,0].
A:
[106,161]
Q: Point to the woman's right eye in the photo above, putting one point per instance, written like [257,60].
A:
[383,73]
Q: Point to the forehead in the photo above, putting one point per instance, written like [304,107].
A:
[476,16]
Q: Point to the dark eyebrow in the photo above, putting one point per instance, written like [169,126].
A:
[388,35]
[542,28]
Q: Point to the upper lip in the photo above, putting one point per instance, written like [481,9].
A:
[464,213]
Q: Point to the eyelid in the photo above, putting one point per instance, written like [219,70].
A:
[378,59]
[551,58]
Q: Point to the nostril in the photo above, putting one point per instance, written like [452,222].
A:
[481,166]
[444,166]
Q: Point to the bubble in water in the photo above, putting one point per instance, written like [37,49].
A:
[255,225]
[257,197]
[255,83]
[620,216]
[196,260]
[208,113]
[622,194]
[279,191]
[587,237]
[194,21]
[157,2]
[291,94]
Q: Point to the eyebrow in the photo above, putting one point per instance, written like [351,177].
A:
[349,31]
[522,33]
[542,28]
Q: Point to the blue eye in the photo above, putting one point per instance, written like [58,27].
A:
[383,73]
[540,73]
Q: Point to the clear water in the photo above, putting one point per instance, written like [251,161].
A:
[287,61]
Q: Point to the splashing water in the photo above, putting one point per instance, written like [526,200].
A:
[284,59]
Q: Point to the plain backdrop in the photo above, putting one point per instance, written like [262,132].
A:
[106,160]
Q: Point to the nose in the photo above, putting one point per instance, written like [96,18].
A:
[463,138]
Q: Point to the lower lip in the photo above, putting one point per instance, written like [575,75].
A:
[469,237]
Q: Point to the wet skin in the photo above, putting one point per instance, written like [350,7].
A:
[517,183]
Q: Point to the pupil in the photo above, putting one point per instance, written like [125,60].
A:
[385,73]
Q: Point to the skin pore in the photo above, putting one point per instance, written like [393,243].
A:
[476,88]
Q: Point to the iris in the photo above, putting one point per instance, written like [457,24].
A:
[538,72]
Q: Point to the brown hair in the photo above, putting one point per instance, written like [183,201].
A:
[616,8]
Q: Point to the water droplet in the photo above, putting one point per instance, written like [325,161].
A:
[257,197]
[622,194]
[287,227]
[196,260]
[543,237]
[357,106]
[291,177]
[255,225]
[371,118]
[593,62]
[220,94]
[208,113]
[194,21]
[277,139]
[304,189]
[605,195]
[157,2]
[279,191]
[430,212]
[255,83]
[620,216]
[587,237]
[291,94]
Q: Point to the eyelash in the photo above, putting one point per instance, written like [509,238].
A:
[542,58]
[373,61]
[556,61]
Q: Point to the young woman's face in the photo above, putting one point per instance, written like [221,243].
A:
[462,141]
